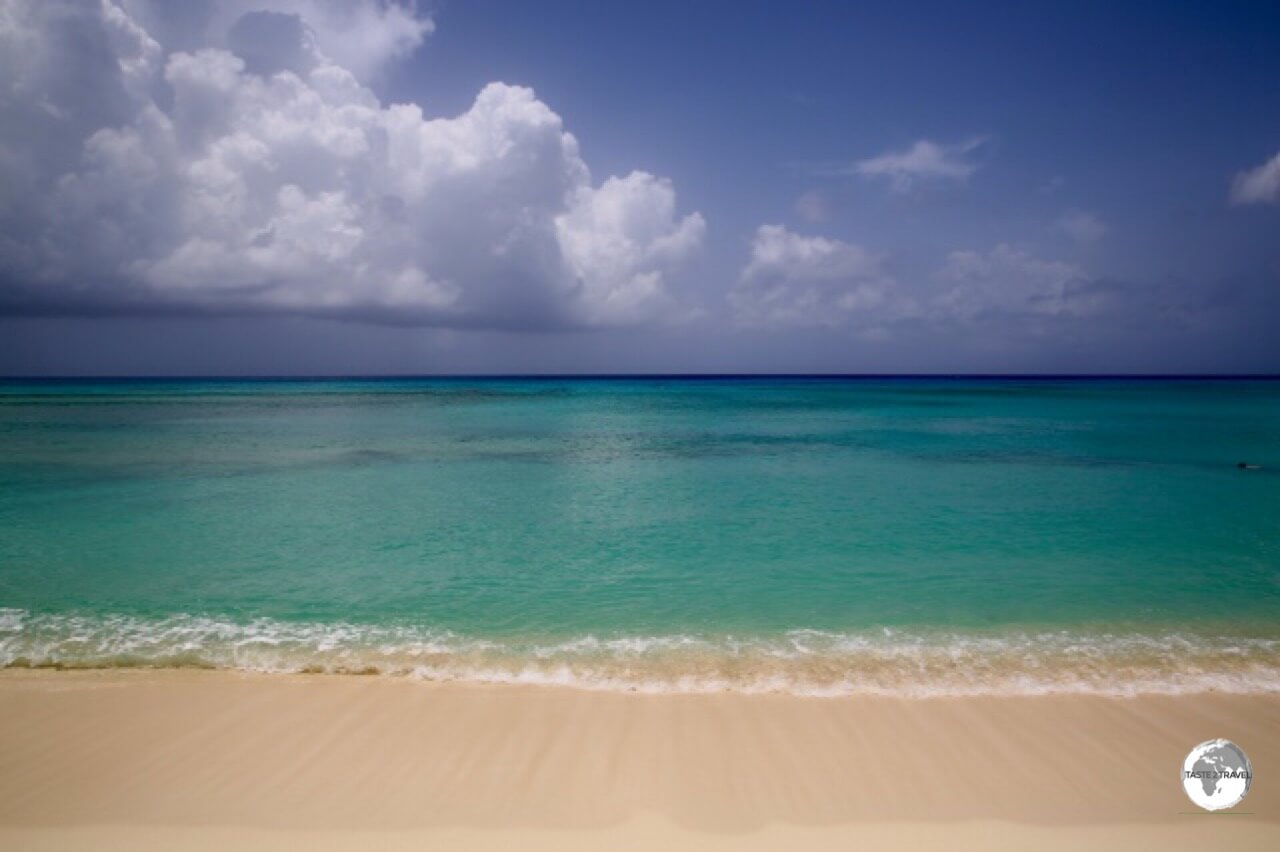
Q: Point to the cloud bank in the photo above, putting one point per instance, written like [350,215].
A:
[1006,293]
[160,157]
[812,281]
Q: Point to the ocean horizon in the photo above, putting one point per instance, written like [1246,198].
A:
[809,534]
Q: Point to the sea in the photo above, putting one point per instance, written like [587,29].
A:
[825,536]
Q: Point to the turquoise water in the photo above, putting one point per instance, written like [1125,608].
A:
[824,536]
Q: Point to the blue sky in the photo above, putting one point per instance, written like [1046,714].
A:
[705,186]
[1139,113]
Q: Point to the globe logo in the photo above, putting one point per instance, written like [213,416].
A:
[1216,775]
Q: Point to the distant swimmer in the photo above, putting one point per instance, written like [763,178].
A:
[1247,466]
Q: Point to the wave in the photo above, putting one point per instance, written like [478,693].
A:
[801,662]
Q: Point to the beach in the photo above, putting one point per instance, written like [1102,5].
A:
[653,426]
[572,613]
[170,759]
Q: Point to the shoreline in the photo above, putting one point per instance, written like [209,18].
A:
[563,679]
[1106,659]
[165,758]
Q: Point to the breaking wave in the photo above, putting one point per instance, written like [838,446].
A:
[802,661]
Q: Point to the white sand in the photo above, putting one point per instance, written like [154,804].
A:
[175,760]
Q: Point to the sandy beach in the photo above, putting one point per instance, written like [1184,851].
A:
[189,759]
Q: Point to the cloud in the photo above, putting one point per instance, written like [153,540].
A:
[1009,294]
[923,161]
[1006,281]
[617,237]
[1258,186]
[799,280]
[361,36]
[1081,226]
[796,280]
[1005,297]
[253,172]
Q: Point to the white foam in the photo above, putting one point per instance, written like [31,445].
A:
[802,661]
[11,619]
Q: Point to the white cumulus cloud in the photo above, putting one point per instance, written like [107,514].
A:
[793,279]
[253,170]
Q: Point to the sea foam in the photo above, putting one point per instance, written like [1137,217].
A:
[801,661]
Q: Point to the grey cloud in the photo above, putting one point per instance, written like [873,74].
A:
[270,42]
[361,36]
[1003,298]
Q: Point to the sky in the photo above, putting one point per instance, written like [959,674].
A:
[306,187]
